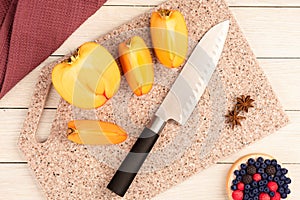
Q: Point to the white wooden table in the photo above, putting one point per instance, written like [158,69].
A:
[272,28]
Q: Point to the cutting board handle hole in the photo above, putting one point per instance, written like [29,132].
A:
[46,118]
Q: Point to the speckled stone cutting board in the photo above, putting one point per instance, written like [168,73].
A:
[66,170]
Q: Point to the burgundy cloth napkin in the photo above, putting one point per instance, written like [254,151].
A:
[33,29]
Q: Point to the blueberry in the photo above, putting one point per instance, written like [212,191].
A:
[281,190]
[287,191]
[255,191]
[261,188]
[266,190]
[268,162]
[233,187]
[283,178]
[272,194]
[247,186]
[243,166]
[264,176]
[285,186]
[284,171]
[251,161]
[283,196]
[263,165]
[239,178]
[261,170]
[255,198]
[265,182]
[278,173]
[254,184]
[246,196]
[257,164]
[250,198]
[246,191]
[270,178]
[251,194]
[288,180]
[234,182]
[281,183]
[274,162]
[260,159]
[276,179]
[243,172]
[261,183]
[278,167]
[236,172]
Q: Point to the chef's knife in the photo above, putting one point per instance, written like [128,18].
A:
[178,105]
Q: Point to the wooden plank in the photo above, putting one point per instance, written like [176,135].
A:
[11,123]
[230,2]
[263,3]
[208,184]
[284,78]
[17,182]
[271,32]
[285,143]
[283,75]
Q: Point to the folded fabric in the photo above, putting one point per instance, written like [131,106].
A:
[33,29]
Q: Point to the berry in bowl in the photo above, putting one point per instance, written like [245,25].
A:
[257,177]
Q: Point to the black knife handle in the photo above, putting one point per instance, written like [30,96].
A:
[129,168]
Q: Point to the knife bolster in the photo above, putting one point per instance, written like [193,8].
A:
[156,124]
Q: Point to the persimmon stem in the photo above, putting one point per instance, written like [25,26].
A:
[164,12]
[128,43]
[70,131]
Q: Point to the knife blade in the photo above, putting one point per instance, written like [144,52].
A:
[184,93]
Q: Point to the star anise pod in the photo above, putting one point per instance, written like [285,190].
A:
[233,118]
[244,103]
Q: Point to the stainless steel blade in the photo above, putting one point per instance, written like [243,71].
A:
[195,75]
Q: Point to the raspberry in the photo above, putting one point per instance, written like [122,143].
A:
[256,177]
[264,196]
[237,195]
[273,186]
[241,186]
[276,197]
